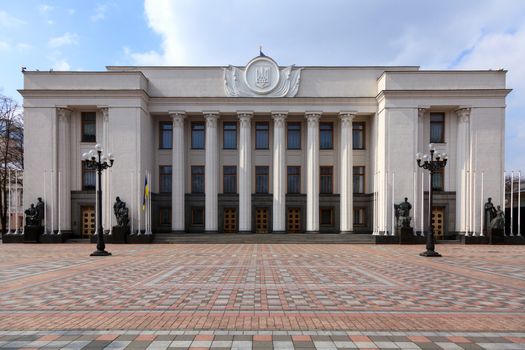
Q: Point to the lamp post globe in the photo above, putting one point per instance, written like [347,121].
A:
[432,163]
[95,160]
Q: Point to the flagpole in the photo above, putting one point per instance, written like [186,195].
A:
[474,204]
[422,205]
[392,206]
[503,199]
[16,200]
[150,200]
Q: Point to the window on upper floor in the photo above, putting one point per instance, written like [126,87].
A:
[165,135]
[229,135]
[326,179]
[89,126]
[358,135]
[230,179]
[438,180]
[359,179]
[197,179]
[294,179]
[294,135]
[262,135]
[326,135]
[89,178]
[437,127]
[197,136]
[261,179]
[165,179]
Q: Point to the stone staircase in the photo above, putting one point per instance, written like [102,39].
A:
[291,238]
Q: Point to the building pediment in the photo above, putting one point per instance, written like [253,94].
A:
[261,77]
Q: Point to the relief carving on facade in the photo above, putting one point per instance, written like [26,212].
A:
[261,77]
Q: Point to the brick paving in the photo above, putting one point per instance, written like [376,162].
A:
[269,296]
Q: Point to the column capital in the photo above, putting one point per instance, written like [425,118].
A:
[347,117]
[63,113]
[211,118]
[279,118]
[313,118]
[245,118]
[177,118]
[421,111]
[463,114]
[105,113]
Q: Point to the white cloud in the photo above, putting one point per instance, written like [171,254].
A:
[100,12]
[66,39]
[45,8]
[161,16]
[8,21]
[4,45]
[61,65]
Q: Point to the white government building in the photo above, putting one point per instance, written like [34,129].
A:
[264,148]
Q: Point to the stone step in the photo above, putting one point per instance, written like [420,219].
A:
[292,238]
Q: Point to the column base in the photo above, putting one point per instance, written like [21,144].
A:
[211,231]
[246,232]
[279,232]
[313,232]
[345,232]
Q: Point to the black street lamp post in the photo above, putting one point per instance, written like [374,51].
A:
[432,165]
[95,160]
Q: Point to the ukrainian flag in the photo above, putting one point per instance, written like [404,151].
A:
[146,193]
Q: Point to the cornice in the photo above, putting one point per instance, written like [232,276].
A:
[83,93]
[444,93]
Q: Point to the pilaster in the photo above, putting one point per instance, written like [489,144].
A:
[63,178]
[462,170]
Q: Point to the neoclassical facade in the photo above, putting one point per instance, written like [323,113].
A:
[264,148]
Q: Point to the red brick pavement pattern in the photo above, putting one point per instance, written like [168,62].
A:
[262,286]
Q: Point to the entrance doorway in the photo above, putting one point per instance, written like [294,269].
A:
[294,220]
[261,220]
[230,220]
[438,222]
[88,221]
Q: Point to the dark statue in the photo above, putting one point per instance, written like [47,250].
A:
[121,213]
[498,222]
[35,215]
[490,213]
[402,212]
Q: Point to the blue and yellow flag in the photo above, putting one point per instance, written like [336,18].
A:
[146,193]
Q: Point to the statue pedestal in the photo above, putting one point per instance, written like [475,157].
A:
[406,236]
[497,236]
[32,233]
[118,234]
[12,238]
[140,239]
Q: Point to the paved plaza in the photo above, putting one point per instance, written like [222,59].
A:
[249,296]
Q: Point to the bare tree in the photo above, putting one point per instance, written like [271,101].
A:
[11,150]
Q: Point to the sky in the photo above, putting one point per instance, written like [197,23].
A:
[432,34]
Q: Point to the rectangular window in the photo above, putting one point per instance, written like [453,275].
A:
[359,179]
[261,179]
[89,126]
[359,216]
[89,178]
[197,216]
[358,135]
[230,135]
[165,216]
[294,179]
[294,136]
[197,135]
[165,179]
[438,180]
[165,135]
[230,179]
[197,179]
[262,136]
[326,179]
[326,135]
[437,127]
[326,216]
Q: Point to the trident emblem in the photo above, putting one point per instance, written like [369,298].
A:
[262,77]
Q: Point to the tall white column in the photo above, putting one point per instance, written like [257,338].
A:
[463,153]
[177,173]
[279,172]
[312,172]
[347,163]
[211,175]
[245,172]
[64,166]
